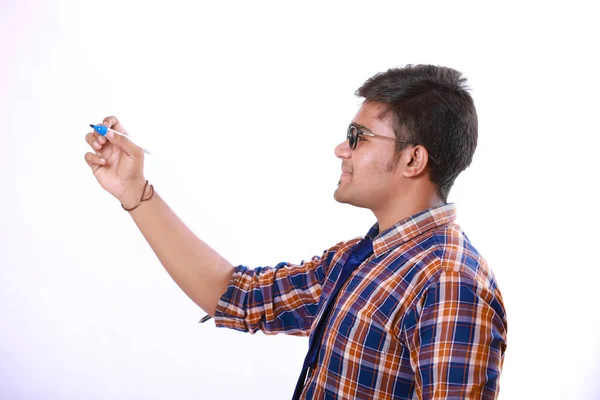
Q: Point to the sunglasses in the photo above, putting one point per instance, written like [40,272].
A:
[354,135]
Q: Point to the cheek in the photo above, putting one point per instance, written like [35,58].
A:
[367,162]
[376,168]
[374,165]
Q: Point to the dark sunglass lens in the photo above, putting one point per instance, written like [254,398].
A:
[351,137]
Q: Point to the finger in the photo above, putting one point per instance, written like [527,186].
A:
[90,137]
[94,160]
[95,140]
[113,123]
[125,144]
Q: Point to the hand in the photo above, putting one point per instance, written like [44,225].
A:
[117,164]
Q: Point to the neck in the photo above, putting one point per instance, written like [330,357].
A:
[404,207]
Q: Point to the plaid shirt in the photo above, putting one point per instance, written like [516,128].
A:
[421,318]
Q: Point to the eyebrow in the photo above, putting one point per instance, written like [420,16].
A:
[361,127]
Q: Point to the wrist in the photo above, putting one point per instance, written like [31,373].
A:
[132,195]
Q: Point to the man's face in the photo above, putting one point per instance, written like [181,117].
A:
[369,177]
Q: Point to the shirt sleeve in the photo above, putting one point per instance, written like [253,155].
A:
[457,347]
[279,299]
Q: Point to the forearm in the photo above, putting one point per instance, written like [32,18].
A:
[198,270]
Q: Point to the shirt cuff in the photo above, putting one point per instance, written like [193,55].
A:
[230,311]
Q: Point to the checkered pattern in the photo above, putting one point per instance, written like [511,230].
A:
[422,318]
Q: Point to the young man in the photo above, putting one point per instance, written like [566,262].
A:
[410,311]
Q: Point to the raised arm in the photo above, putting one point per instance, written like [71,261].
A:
[200,271]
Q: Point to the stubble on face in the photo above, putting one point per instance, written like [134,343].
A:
[373,163]
[368,186]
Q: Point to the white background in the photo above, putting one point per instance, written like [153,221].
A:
[242,104]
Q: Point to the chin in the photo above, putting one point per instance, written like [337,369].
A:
[342,197]
[338,196]
[345,198]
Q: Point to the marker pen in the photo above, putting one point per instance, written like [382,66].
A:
[101,129]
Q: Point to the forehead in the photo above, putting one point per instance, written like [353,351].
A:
[369,115]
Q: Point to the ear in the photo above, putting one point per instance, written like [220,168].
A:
[414,160]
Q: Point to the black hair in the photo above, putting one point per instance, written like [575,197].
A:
[431,106]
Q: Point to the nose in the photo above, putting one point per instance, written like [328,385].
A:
[343,150]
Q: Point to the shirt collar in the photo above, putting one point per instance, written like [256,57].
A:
[410,227]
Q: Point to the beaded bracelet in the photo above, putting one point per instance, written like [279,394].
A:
[142,198]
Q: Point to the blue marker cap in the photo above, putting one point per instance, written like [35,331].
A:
[101,129]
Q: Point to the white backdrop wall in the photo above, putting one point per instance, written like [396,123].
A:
[242,104]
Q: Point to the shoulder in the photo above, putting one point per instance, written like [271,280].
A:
[459,258]
[453,269]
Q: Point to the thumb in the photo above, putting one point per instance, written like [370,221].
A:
[124,143]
